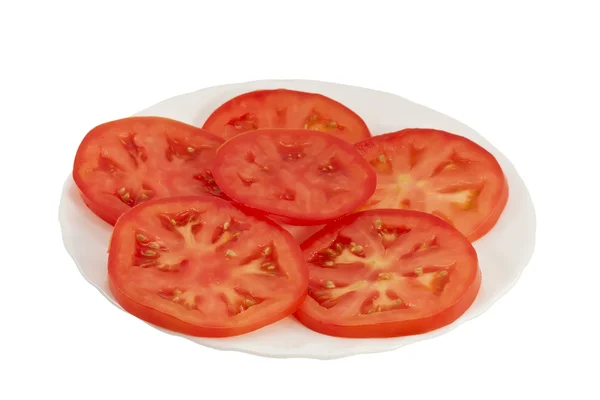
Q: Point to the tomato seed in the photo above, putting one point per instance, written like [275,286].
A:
[146,264]
[357,249]
[230,253]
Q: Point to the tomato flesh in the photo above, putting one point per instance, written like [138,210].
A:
[126,162]
[200,266]
[439,173]
[385,273]
[282,108]
[300,177]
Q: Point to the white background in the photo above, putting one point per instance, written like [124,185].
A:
[524,74]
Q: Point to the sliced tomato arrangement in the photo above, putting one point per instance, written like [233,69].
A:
[300,177]
[208,221]
[440,173]
[282,108]
[126,162]
[384,273]
[200,266]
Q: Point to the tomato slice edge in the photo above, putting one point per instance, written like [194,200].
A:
[401,327]
[168,321]
[229,106]
[244,201]
[107,212]
[396,328]
[502,194]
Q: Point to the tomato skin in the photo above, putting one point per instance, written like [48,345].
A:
[352,180]
[98,186]
[394,329]
[102,213]
[149,311]
[315,317]
[289,109]
[472,223]
[494,216]
[155,317]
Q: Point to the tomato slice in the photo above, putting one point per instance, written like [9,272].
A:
[301,177]
[126,162]
[385,273]
[282,108]
[199,266]
[440,173]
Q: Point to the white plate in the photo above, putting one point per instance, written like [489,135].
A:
[503,252]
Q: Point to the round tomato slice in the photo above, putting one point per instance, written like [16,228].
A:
[440,173]
[129,161]
[199,266]
[282,108]
[300,177]
[385,273]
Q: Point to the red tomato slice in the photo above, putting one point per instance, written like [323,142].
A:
[126,162]
[200,266]
[301,177]
[440,173]
[284,108]
[384,273]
